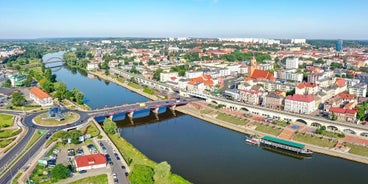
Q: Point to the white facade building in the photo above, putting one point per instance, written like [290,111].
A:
[292,63]
[302,104]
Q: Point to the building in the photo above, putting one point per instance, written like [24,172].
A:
[250,96]
[17,80]
[302,104]
[298,41]
[92,66]
[273,101]
[292,63]
[289,75]
[172,76]
[40,97]
[306,88]
[194,74]
[345,115]
[339,45]
[359,90]
[88,162]
[252,66]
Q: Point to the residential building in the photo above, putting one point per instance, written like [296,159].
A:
[298,41]
[92,66]
[40,97]
[194,74]
[345,115]
[274,101]
[250,96]
[88,162]
[172,76]
[17,80]
[359,90]
[266,66]
[306,88]
[289,75]
[292,63]
[273,86]
[303,104]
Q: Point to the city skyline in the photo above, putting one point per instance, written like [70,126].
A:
[185,18]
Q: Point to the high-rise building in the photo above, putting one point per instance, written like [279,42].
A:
[339,46]
[292,63]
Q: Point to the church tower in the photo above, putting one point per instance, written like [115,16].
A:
[253,65]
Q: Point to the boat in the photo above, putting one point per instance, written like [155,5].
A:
[252,140]
[285,145]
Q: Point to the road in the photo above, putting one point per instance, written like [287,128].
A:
[116,168]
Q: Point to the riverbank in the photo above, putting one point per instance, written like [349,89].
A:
[239,128]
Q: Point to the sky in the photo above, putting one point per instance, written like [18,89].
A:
[284,19]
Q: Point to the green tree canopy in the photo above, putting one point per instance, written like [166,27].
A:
[18,99]
[141,174]
[109,126]
[59,172]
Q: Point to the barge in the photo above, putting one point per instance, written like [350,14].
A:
[285,145]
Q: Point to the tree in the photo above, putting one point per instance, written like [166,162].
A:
[162,170]
[48,86]
[74,135]
[70,58]
[141,174]
[333,116]
[78,96]
[109,126]
[59,172]
[7,83]
[157,74]
[28,81]
[18,99]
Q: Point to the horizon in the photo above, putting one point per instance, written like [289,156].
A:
[283,19]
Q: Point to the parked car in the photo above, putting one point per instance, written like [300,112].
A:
[82,171]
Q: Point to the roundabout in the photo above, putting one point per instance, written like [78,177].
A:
[43,119]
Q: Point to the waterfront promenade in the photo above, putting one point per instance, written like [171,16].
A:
[191,110]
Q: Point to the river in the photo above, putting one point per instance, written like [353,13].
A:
[205,153]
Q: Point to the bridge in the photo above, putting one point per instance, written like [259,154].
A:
[142,80]
[309,120]
[54,60]
[136,110]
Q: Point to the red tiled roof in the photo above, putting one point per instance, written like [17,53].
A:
[195,80]
[340,82]
[89,160]
[262,75]
[346,96]
[173,78]
[306,85]
[301,98]
[39,93]
[208,82]
[342,111]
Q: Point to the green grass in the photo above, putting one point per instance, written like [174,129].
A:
[357,149]
[133,156]
[281,123]
[34,138]
[91,129]
[26,108]
[38,176]
[6,120]
[9,133]
[206,111]
[92,180]
[15,180]
[231,119]
[136,86]
[70,117]
[6,142]
[148,91]
[269,129]
[120,80]
[312,139]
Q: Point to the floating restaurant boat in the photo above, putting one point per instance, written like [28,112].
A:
[285,145]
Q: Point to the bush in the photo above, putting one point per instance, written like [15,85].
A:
[141,174]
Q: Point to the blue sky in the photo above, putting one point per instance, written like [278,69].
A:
[325,19]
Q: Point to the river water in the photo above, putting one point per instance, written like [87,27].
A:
[205,153]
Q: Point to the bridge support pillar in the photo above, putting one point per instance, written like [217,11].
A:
[131,114]
[172,107]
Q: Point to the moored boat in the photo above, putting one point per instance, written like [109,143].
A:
[252,140]
[285,145]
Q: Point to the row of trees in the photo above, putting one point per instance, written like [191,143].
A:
[77,59]
[241,56]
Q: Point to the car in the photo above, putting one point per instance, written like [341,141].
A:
[126,173]
[122,167]
[111,163]
[101,144]
[82,171]
[115,178]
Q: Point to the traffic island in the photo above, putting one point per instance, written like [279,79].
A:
[44,119]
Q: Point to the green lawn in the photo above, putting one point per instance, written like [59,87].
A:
[269,129]
[70,117]
[39,176]
[280,123]
[120,80]
[149,91]
[312,139]
[92,180]
[231,119]
[206,111]
[357,149]
[91,129]
[136,86]
[9,132]
[5,142]
[6,120]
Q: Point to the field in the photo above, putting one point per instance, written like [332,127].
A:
[6,120]
[312,139]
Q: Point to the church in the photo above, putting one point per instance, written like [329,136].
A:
[256,74]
